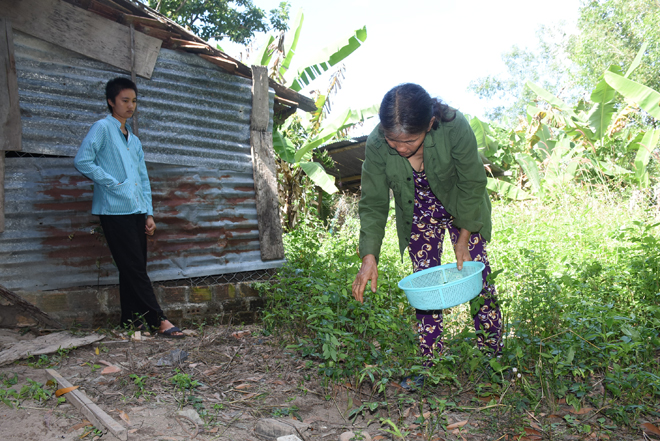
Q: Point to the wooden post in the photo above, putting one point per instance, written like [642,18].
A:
[134,78]
[2,191]
[10,113]
[265,172]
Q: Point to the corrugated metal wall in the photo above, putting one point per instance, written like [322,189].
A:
[194,126]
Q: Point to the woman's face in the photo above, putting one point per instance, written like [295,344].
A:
[405,144]
[124,104]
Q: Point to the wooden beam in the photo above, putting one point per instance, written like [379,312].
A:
[28,308]
[10,113]
[265,172]
[83,32]
[305,103]
[227,65]
[93,412]
[136,20]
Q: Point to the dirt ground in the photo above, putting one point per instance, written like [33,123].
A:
[243,379]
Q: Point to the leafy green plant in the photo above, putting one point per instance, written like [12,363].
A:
[185,385]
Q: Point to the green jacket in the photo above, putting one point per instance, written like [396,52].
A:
[455,173]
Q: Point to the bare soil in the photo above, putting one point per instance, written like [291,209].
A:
[244,377]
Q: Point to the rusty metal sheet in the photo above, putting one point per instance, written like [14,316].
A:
[206,225]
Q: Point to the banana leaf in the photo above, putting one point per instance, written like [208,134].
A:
[485,142]
[550,98]
[324,59]
[506,190]
[638,59]
[528,165]
[645,97]
[291,41]
[346,119]
[317,174]
[284,147]
[646,146]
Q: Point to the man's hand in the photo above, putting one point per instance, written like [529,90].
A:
[149,226]
[368,271]
[461,249]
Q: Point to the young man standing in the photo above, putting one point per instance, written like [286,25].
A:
[111,156]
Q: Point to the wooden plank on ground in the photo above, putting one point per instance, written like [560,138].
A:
[19,302]
[10,113]
[83,32]
[265,173]
[94,413]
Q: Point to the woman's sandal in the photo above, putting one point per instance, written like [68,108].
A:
[170,333]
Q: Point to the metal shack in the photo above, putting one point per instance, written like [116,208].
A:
[205,121]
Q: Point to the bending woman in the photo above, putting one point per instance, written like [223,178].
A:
[426,153]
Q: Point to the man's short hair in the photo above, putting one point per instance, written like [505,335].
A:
[114,88]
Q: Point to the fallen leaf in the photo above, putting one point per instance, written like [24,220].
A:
[534,425]
[215,429]
[581,411]
[213,370]
[96,350]
[552,415]
[651,428]
[530,431]
[278,382]
[562,401]
[124,416]
[457,425]
[65,390]
[406,412]
[240,334]
[104,362]
[110,370]
[377,437]
[413,426]
[488,398]
[257,378]
[248,396]
[80,426]
[243,386]
[133,430]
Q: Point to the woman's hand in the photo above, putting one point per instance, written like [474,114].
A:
[149,226]
[461,249]
[368,271]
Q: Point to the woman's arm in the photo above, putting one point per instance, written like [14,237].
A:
[471,183]
[85,160]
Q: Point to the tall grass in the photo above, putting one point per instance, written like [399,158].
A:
[579,289]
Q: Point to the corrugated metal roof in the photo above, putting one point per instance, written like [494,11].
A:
[207,225]
[348,157]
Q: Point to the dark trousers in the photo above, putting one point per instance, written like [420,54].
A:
[128,244]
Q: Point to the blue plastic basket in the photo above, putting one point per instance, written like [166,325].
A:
[444,286]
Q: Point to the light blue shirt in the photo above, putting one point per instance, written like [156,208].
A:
[121,183]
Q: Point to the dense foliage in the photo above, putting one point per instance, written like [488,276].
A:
[580,300]
[237,20]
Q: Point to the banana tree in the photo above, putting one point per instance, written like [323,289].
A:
[294,145]
[602,139]
[296,157]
